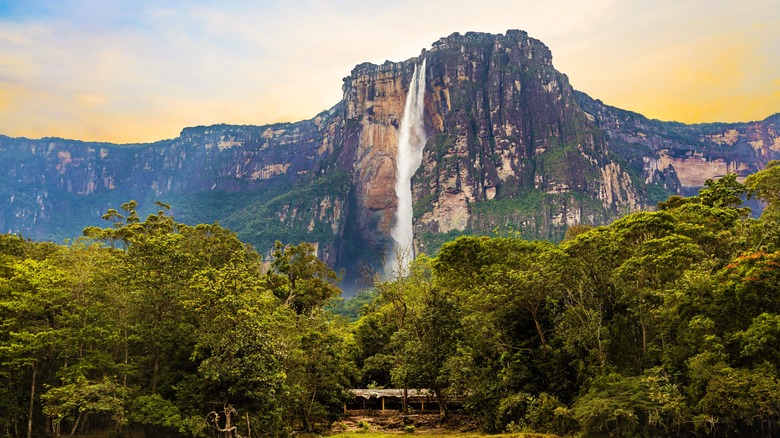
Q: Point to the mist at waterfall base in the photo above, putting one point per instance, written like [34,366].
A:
[411,140]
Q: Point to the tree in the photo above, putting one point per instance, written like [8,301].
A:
[242,337]
[161,257]
[575,230]
[646,275]
[747,288]
[319,371]
[616,405]
[155,412]
[725,192]
[372,334]
[757,341]
[507,292]
[765,185]
[301,280]
[397,294]
[32,300]
[76,399]
[590,296]
[528,277]
[740,400]
[158,279]
[429,335]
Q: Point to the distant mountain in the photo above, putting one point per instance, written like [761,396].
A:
[510,144]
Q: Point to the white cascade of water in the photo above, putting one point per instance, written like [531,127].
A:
[411,140]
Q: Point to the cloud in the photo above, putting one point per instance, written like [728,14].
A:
[142,70]
[690,61]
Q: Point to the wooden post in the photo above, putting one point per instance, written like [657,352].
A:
[345,409]
[422,406]
[383,404]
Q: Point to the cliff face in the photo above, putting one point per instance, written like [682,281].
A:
[694,153]
[510,145]
[52,188]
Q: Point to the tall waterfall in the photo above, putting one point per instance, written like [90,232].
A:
[411,140]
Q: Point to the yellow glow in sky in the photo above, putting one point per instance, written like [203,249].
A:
[140,71]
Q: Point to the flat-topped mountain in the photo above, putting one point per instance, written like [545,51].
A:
[510,144]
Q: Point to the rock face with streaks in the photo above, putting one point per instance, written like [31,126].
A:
[510,145]
[693,153]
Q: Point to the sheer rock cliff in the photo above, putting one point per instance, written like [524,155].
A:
[511,145]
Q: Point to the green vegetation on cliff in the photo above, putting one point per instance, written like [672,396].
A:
[302,212]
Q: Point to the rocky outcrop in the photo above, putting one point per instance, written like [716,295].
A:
[374,98]
[52,188]
[510,145]
[691,153]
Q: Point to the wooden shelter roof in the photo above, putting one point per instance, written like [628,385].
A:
[396,393]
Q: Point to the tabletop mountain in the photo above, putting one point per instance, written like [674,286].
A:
[510,144]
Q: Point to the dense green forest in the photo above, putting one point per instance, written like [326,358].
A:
[663,323]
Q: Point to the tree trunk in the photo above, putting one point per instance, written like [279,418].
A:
[76,424]
[602,350]
[56,427]
[442,403]
[32,400]
[534,310]
[155,370]
[127,357]
[227,431]
[305,421]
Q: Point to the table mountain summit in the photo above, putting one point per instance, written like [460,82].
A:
[510,145]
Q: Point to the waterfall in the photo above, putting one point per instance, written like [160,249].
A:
[411,140]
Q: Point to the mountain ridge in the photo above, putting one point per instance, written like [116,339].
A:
[511,144]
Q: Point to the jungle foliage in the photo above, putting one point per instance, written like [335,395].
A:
[663,323]
[172,329]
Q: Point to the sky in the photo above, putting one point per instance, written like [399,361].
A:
[141,70]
